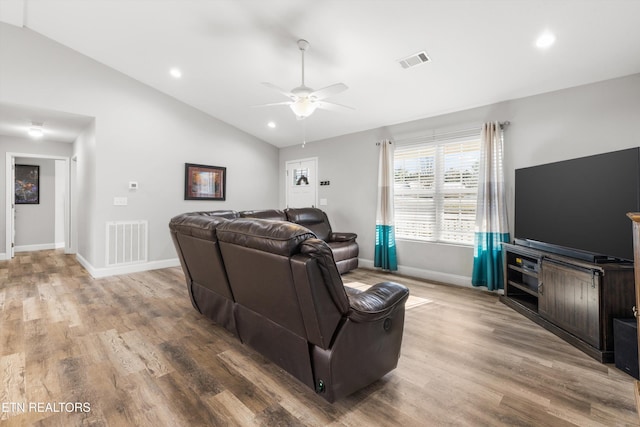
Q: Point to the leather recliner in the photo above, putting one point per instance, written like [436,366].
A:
[292,307]
[343,245]
[195,239]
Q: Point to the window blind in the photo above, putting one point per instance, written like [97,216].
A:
[436,186]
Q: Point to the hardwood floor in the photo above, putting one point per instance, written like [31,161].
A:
[131,351]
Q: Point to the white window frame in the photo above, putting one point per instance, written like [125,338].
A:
[439,191]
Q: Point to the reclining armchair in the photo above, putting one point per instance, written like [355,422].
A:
[292,307]
[194,236]
[343,245]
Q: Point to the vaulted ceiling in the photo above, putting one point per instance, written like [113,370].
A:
[482,52]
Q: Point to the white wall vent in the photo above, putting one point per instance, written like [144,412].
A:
[126,242]
[415,59]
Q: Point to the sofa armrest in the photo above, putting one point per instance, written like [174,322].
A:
[342,237]
[377,302]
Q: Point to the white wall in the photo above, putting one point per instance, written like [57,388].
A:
[35,223]
[556,126]
[140,135]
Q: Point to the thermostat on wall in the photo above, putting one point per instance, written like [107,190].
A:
[133,185]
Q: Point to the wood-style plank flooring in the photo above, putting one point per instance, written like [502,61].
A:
[131,351]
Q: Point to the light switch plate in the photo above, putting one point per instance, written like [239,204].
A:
[120,201]
[323,202]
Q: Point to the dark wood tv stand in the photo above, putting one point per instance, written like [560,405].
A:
[575,299]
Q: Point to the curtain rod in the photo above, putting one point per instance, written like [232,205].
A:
[447,135]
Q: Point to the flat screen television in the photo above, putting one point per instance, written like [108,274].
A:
[578,207]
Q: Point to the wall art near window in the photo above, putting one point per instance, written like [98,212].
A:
[202,182]
[27,185]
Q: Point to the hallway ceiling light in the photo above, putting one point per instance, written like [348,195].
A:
[175,73]
[35,130]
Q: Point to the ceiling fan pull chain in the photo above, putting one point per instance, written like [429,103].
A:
[304,133]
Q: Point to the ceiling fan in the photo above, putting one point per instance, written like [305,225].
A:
[305,100]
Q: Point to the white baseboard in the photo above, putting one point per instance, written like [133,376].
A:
[420,273]
[32,248]
[126,269]
[3,256]
[59,245]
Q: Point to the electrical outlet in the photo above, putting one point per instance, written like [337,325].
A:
[120,201]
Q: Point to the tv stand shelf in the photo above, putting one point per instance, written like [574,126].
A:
[575,299]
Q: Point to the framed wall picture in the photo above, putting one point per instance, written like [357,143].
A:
[27,185]
[202,182]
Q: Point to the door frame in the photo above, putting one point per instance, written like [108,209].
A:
[286,177]
[10,198]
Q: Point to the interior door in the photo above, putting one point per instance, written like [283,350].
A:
[302,183]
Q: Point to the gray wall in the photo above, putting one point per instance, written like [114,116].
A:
[61,197]
[142,135]
[555,126]
[84,233]
[35,224]
[139,135]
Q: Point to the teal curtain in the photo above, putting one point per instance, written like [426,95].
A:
[385,250]
[487,260]
[492,228]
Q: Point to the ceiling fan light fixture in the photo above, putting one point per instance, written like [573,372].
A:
[303,99]
[303,108]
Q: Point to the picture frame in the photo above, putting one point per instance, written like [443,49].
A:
[27,185]
[204,182]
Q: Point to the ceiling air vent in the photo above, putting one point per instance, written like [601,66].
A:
[415,59]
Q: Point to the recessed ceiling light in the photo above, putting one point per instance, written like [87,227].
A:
[175,72]
[272,125]
[545,40]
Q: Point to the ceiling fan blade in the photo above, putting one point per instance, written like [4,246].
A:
[282,91]
[333,106]
[328,91]
[272,104]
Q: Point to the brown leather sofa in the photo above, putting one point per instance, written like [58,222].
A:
[343,245]
[291,304]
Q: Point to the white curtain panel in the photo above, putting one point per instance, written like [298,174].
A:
[385,250]
[492,227]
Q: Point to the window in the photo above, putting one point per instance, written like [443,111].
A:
[436,186]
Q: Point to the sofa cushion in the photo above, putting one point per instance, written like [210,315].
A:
[314,219]
[228,214]
[277,237]
[324,256]
[274,214]
[196,225]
